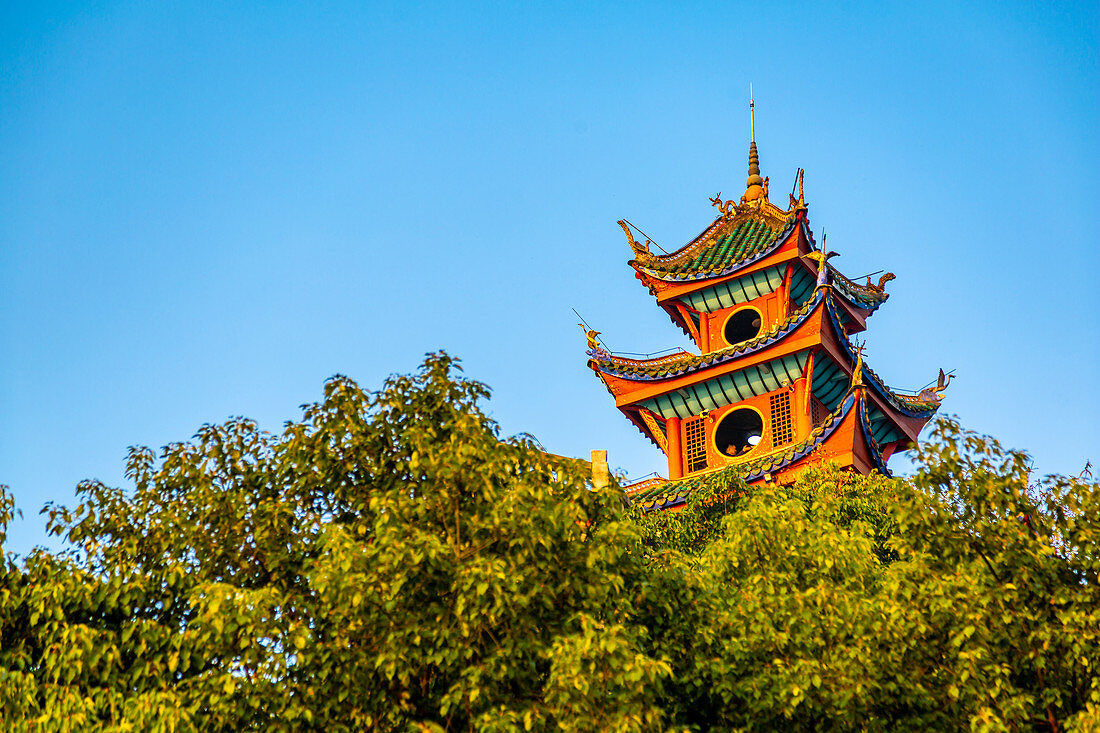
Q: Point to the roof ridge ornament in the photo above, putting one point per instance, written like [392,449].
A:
[935,394]
[857,370]
[800,202]
[593,339]
[821,259]
[641,251]
[726,207]
[881,287]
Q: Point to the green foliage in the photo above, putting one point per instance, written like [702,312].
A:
[841,497]
[390,562]
[1017,561]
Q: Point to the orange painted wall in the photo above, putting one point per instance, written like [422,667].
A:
[762,404]
[772,309]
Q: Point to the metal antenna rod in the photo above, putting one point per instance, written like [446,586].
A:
[946,374]
[752,113]
[585,324]
[582,319]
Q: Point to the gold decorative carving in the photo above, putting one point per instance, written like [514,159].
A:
[759,209]
[800,202]
[641,251]
[654,428]
[685,314]
[935,394]
[820,259]
[881,287]
[857,371]
[726,207]
[593,338]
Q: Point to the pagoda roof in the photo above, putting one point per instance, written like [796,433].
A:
[749,233]
[654,495]
[747,238]
[678,364]
[684,363]
[756,378]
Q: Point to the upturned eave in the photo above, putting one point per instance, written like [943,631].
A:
[805,335]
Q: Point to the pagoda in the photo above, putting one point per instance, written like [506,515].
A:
[779,382]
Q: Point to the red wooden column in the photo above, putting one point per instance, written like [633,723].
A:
[675,449]
[785,293]
[800,406]
[704,335]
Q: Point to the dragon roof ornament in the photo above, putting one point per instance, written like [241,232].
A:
[641,251]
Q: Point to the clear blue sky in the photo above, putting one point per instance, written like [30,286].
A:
[207,211]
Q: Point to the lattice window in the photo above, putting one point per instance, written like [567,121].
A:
[695,444]
[817,412]
[782,429]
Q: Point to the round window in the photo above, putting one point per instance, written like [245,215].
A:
[739,432]
[742,326]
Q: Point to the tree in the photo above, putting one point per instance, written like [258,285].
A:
[967,598]
[391,562]
[387,561]
[1016,561]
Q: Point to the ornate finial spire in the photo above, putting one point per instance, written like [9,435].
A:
[756,187]
[752,115]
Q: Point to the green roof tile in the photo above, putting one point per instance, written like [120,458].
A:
[719,248]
